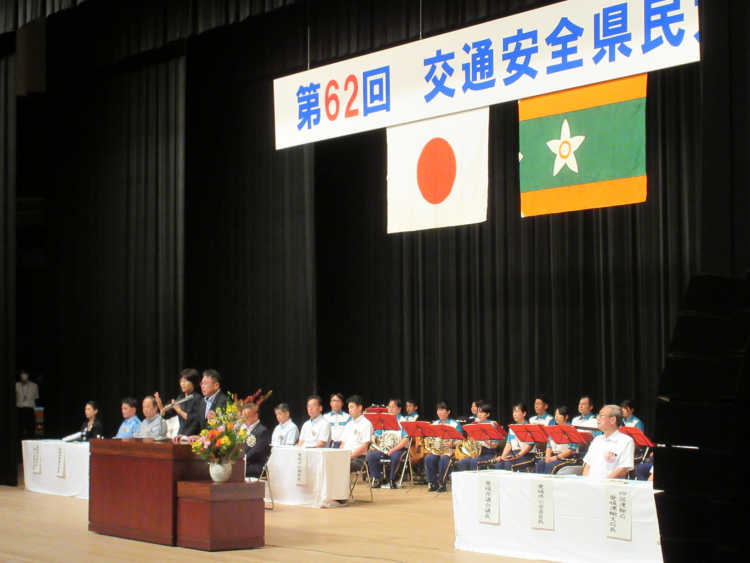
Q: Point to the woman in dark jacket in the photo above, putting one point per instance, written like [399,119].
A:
[92,428]
[190,386]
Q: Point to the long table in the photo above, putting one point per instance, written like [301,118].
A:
[326,476]
[61,468]
[580,514]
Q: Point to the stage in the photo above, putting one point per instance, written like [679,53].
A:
[404,526]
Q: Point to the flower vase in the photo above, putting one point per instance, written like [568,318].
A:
[220,472]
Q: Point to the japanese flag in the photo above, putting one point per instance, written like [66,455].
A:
[437,172]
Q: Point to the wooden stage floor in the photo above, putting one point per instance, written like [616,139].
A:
[401,526]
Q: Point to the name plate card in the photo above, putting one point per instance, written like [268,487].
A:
[60,457]
[618,512]
[542,510]
[36,460]
[488,499]
[300,477]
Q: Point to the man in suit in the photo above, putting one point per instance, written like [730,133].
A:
[258,441]
[213,398]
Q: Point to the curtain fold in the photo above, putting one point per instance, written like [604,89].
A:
[249,287]
[116,231]
[9,454]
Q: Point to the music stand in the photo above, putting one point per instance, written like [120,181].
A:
[638,436]
[416,429]
[566,434]
[485,432]
[383,421]
[448,432]
[375,409]
[529,433]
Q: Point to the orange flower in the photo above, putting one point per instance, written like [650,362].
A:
[230,425]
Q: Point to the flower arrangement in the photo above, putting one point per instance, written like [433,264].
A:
[222,441]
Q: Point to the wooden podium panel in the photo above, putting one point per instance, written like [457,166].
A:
[220,516]
[133,487]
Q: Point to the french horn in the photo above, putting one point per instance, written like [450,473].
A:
[386,442]
[468,448]
[435,446]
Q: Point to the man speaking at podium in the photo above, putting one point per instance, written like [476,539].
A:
[213,398]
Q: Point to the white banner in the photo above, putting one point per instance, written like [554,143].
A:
[488,498]
[542,512]
[300,468]
[562,46]
[36,460]
[60,457]
[619,513]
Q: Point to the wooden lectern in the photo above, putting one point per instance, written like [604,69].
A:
[133,487]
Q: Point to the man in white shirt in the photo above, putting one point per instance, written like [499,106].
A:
[357,433]
[610,455]
[316,432]
[286,433]
[337,419]
[542,417]
[27,393]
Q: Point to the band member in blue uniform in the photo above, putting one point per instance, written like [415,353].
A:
[438,467]
[516,455]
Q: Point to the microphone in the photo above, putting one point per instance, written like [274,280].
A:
[165,409]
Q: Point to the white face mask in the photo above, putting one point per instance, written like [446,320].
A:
[24,377]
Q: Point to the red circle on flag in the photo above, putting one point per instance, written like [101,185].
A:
[436,170]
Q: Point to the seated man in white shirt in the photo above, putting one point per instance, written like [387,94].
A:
[610,455]
[286,433]
[357,434]
[316,432]
[337,419]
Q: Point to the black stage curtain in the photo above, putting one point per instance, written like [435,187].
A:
[249,288]
[566,305]
[9,453]
[116,215]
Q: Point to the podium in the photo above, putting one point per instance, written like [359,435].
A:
[133,487]
[220,516]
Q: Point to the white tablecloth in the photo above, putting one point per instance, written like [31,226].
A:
[327,476]
[579,518]
[74,481]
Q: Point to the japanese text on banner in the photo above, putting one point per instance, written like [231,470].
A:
[557,47]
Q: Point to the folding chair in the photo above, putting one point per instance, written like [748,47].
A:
[265,473]
[354,478]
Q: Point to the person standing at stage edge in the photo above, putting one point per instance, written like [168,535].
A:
[27,393]
[213,398]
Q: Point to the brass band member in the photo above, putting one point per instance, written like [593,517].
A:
[558,456]
[484,411]
[517,455]
[438,464]
[387,449]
